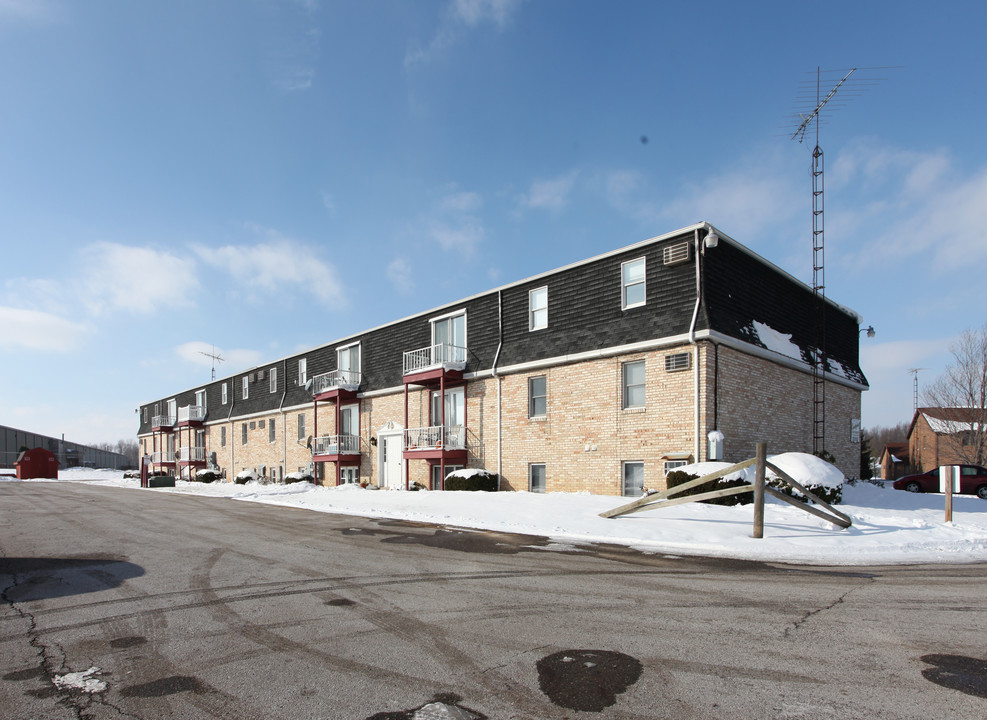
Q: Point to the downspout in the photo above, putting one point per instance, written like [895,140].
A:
[695,345]
[284,427]
[232,434]
[500,344]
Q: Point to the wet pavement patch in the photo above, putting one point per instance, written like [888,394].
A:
[127,642]
[167,686]
[587,680]
[444,706]
[340,602]
[26,674]
[956,672]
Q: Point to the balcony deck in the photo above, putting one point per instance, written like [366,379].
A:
[192,456]
[336,385]
[191,416]
[435,443]
[162,422]
[427,365]
[163,458]
[336,448]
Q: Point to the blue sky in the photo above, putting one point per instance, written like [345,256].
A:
[264,176]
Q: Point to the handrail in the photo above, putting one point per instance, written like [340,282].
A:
[435,437]
[442,355]
[336,445]
[344,379]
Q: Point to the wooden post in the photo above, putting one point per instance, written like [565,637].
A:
[946,475]
[760,458]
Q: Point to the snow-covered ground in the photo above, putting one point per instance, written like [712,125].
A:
[889,526]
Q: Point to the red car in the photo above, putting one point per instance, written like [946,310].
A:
[973,481]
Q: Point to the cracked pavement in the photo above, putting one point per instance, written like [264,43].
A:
[192,607]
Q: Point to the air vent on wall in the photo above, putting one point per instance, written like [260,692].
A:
[675,254]
[679,361]
[260,374]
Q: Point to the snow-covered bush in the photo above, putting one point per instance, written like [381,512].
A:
[819,477]
[472,479]
[208,476]
[298,477]
[680,477]
[245,476]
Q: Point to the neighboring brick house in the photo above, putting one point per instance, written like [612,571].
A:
[600,376]
[945,436]
[894,461]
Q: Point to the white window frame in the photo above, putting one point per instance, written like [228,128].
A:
[623,476]
[531,477]
[353,408]
[222,436]
[245,382]
[625,386]
[301,426]
[348,351]
[532,397]
[243,433]
[537,314]
[200,398]
[436,481]
[302,371]
[145,414]
[274,379]
[625,285]
[225,393]
[450,316]
[349,470]
[671,465]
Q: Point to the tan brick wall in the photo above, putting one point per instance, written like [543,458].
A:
[586,434]
[759,400]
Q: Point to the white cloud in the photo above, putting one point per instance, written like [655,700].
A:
[399,273]
[277,265]
[464,236]
[461,17]
[461,202]
[913,203]
[38,330]
[135,279]
[550,194]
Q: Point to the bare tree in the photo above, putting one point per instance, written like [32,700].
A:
[963,389]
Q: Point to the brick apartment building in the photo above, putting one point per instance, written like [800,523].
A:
[600,376]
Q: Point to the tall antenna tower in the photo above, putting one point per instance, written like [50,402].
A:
[914,372]
[215,358]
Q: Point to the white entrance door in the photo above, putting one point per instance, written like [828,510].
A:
[391,460]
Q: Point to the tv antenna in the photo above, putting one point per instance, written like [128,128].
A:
[215,358]
[813,118]
[915,372]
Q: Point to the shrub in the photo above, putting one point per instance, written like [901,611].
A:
[677,477]
[298,477]
[831,495]
[245,476]
[470,479]
[208,476]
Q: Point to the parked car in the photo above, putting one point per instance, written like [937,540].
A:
[973,481]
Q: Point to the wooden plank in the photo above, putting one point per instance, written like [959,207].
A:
[668,492]
[693,498]
[819,501]
[808,508]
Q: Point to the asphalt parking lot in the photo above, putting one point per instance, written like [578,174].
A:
[122,603]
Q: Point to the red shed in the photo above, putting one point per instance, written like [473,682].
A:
[36,463]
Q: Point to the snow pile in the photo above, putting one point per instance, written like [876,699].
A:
[805,468]
[83,681]
[889,526]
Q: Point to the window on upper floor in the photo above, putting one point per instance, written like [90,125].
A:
[225,394]
[632,283]
[348,363]
[450,330]
[274,379]
[302,371]
[538,308]
[537,396]
[145,414]
[633,382]
[246,386]
[200,399]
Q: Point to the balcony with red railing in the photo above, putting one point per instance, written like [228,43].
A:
[336,385]
[336,448]
[191,416]
[428,364]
